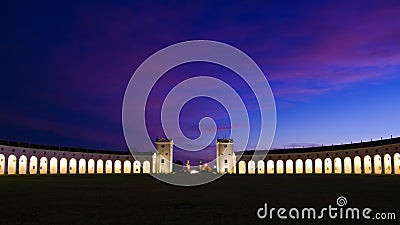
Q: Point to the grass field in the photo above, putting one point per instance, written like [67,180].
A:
[141,199]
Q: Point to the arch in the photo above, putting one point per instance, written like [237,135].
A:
[289,166]
[377,164]
[337,163]
[279,167]
[99,166]
[242,167]
[82,166]
[72,166]
[396,159]
[347,165]
[299,166]
[2,163]
[357,165]
[22,164]
[33,165]
[43,165]
[318,166]
[91,166]
[251,167]
[260,167]
[328,166]
[117,166]
[309,166]
[270,166]
[387,164]
[128,166]
[108,166]
[63,165]
[136,166]
[12,164]
[367,164]
[53,165]
[146,167]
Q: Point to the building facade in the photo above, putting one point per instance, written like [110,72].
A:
[162,158]
[226,158]
[373,157]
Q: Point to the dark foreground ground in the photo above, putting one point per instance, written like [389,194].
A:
[141,199]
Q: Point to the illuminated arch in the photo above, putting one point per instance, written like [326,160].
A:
[347,165]
[72,166]
[377,164]
[53,165]
[289,166]
[309,166]
[318,165]
[91,166]
[279,167]
[108,166]
[33,162]
[299,166]
[146,167]
[367,164]
[99,166]
[82,166]
[328,166]
[260,167]
[22,164]
[63,166]
[43,165]
[242,167]
[2,163]
[117,166]
[270,166]
[337,163]
[128,166]
[396,163]
[12,164]
[387,164]
[357,165]
[136,166]
[251,167]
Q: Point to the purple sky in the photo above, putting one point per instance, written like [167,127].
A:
[333,66]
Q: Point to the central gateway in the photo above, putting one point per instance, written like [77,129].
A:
[163,157]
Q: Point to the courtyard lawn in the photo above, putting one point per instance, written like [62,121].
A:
[141,199]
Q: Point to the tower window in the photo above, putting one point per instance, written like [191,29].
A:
[162,160]
[225,161]
[162,146]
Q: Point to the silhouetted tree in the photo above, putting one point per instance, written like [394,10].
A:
[178,166]
[179,162]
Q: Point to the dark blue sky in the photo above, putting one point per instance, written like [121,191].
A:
[333,66]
